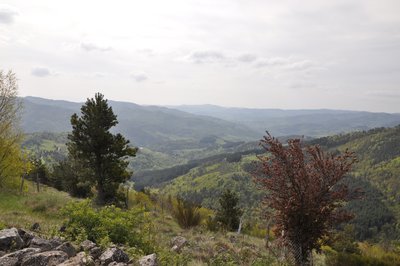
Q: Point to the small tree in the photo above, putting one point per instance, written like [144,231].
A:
[229,213]
[102,152]
[12,164]
[304,186]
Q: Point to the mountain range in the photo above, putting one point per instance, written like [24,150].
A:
[190,127]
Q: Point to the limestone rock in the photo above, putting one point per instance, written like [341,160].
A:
[113,254]
[178,243]
[26,236]
[81,259]
[8,261]
[10,239]
[43,244]
[47,258]
[67,248]
[149,260]
[87,245]
[117,264]
[19,255]
[95,252]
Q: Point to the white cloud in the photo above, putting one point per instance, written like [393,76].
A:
[7,15]
[88,47]
[139,77]
[40,72]
[247,58]
[201,57]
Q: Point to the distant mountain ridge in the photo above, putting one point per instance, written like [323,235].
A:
[190,127]
[314,123]
[152,126]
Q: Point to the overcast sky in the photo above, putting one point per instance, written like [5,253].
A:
[244,53]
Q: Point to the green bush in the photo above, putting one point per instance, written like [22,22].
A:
[109,224]
[186,213]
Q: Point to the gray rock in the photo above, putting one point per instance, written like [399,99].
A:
[26,236]
[178,243]
[43,244]
[67,248]
[47,258]
[8,261]
[149,260]
[95,252]
[21,254]
[113,254]
[87,245]
[117,264]
[81,259]
[10,239]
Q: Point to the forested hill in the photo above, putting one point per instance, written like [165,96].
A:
[378,153]
[377,173]
[157,127]
[314,123]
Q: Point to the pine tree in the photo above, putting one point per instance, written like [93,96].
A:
[229,213]
[103,152]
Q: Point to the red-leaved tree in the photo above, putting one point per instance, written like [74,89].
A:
[304,188]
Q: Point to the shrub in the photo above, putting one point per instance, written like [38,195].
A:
[229,213]
[109,224]
[187,214]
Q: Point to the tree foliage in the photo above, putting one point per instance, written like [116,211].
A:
[12,163]
[305,190]
[96,147]
[229,213]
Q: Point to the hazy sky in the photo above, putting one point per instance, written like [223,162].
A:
[245,53]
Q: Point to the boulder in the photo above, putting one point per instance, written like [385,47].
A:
[43,244]
[95,252]
[81,259]
[178,243]
[10,239]
[47,258]
[87,245]
[149,260]
[20,255]
[26,236]
[117,264]
[113,255]
[67,248]
[8,261]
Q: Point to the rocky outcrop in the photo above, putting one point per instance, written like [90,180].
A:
[10,239]
[19,247]
[47,258]
[149,260]
[81,259]
[113,255]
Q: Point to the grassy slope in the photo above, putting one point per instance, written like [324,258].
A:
[22,210]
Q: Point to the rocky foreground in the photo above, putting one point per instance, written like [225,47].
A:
[19,247]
